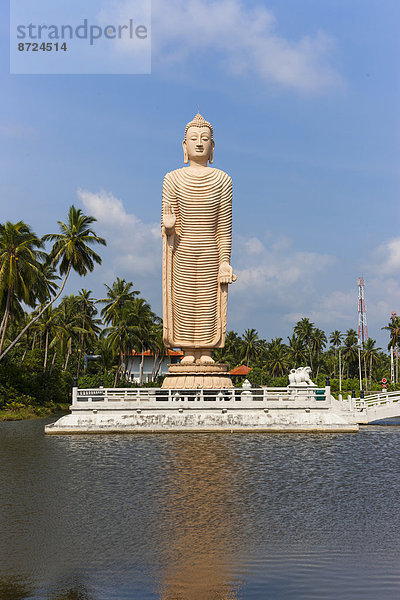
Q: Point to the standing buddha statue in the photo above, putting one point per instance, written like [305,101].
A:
[197,237]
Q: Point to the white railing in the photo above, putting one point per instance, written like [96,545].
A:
[379,399]
[158,398]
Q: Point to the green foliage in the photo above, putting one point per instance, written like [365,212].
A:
[30,384]
[44,350]
[104,379]
[260,376]
[71,246]
[12,399]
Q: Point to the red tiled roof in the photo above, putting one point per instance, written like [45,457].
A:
[242,370]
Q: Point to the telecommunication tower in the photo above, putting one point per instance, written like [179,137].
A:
[362,314]
[392,376]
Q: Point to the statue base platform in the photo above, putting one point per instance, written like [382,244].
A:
[198,377]
[157,410]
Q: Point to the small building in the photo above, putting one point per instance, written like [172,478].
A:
[151,364]
[242,370]
[239,373]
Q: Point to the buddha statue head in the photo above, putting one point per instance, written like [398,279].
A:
[198,145]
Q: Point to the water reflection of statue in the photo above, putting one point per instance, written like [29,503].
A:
[197,232]
[202,528]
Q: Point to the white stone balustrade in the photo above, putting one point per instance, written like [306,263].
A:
[164,399]
[156,410]
[384,405]
[377,399]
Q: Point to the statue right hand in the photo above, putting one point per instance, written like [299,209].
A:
[169,218]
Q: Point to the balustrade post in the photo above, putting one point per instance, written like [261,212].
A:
[75,391]
[349,399]
[328,390]
[362,401]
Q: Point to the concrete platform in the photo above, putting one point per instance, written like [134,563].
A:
[128,423]
[162,411]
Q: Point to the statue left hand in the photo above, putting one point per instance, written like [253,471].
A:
[225,274]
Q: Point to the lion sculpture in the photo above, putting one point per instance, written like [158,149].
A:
[300,376]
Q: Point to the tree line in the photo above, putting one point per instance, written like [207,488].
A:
[336,355]
[45,344]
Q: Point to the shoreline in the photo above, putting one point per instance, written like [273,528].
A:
[29,414]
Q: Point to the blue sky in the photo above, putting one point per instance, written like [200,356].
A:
[304,99]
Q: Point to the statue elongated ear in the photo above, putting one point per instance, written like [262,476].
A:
[211,157]
[185,153]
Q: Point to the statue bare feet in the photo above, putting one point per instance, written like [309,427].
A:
[205,359]
[188,359]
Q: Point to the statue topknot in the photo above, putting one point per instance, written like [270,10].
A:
[199,121]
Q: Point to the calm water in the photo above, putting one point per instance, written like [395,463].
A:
[199,517]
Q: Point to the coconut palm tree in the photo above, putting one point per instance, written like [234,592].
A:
[335,339]
[319,341]
[276,360]
[304,329]
[232,351]
[118,296]
[370,355]
[19,270]
[250,345]
[394,331]
[351,337]
[158,347]
[117,343]
[23,321]
[297,351]
[68,329]
[86,309]
[142,321]
[121,338]
[350,352]
[107,354]
[48,327]
[45,285]
[71,251]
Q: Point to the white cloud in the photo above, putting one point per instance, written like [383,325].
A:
[277,268]
[274,282]
[245,42]
[335,307]
[267,272]
[134,246]
[338,309]
[387,257]
[382,297]
[238,39]
[277,283]
[254,246]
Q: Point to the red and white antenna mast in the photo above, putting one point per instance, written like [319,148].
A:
[362,314]
[392,376]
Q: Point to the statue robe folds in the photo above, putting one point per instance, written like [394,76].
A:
[194,302]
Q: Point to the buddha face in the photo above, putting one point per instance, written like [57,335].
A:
[198,145]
